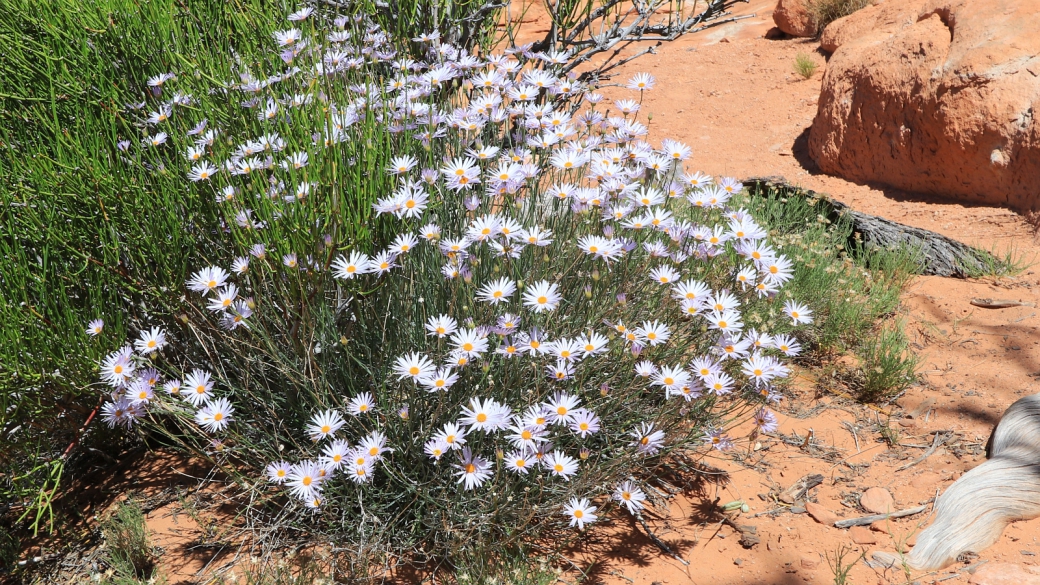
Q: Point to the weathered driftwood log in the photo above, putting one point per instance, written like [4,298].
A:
[939,255]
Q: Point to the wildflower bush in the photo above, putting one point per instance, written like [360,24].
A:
[540,310]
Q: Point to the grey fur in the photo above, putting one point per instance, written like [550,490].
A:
[973,512]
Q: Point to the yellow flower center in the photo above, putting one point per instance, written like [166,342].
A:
[325,429]
[306,481]
[542,300]
[481,417]
[414,370]
[470,468]
[467,346]
[558,468]
[578,513]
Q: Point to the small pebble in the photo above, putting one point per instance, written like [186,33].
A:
[798,509]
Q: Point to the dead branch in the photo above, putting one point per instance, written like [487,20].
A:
[866,520]
[937,440]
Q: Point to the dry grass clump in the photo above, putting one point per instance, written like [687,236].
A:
[824,12]
[804,65]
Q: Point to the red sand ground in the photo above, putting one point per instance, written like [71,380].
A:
[733,95]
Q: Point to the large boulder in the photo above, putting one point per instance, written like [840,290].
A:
[935,96]
[793,18]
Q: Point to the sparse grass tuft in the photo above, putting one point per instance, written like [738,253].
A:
[995,264]
[838,566]
[127,545]
[888,365]
[824,12]
[805,65]
[888,433]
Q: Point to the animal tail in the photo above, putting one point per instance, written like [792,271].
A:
[973,512]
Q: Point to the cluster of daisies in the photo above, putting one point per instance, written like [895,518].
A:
[133,381]
[561,166]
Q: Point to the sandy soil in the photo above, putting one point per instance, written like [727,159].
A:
[733,95]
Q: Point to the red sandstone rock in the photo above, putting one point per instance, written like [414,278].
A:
[791,17]
[821,514]
[935,96]
[862,535]
[877,500]
[1003,574]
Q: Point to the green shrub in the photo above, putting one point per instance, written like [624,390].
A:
[888,365]
[84,232]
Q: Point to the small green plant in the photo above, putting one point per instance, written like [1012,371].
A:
[902,547]
[994,263]
[889,434]
[889,367]
[838,566]
[824,12]
[805,65]
[127,545]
